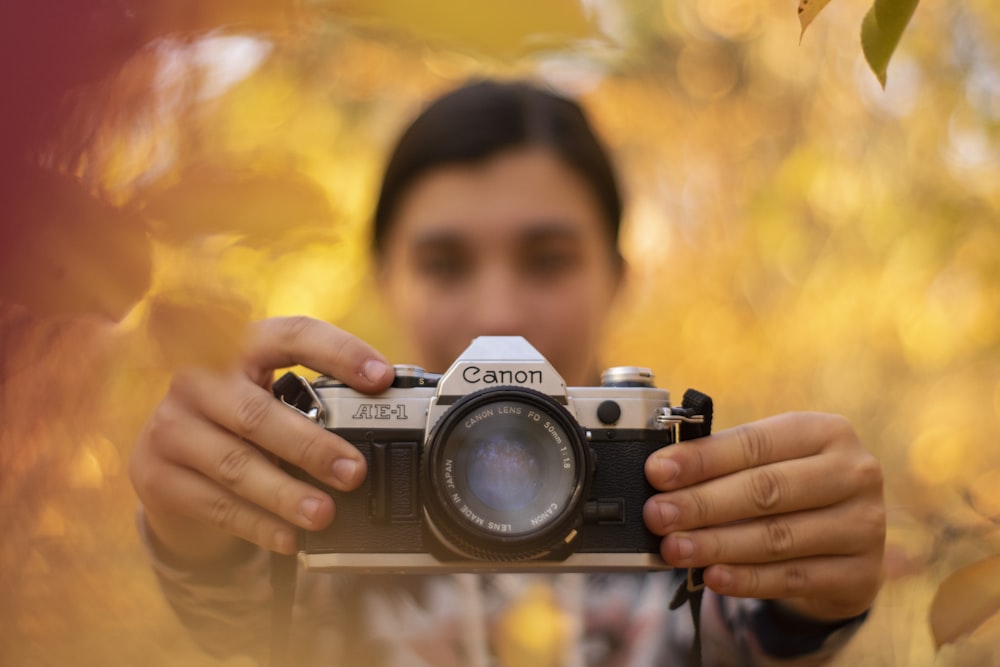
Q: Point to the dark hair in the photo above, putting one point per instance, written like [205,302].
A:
[483,118]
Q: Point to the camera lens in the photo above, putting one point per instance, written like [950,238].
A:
[505,474]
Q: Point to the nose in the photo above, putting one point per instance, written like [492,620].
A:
[498,304]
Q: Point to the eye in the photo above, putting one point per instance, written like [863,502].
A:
[443,268]
[549,263]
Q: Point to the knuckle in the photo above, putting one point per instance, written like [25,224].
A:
[766,489]
[779,539]
[796,580]
[349,354]
[752,579]
[293,327]
[868,471]
[161,426]
[232,468]
[312,451]
[697,461]
[755,443]
[222,513]
[871,526]
[702,506]
[252,411]
[716,548]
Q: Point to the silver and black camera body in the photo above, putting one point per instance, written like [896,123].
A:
[495,466]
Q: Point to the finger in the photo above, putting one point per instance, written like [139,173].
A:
[280,342]
[252,413]
[779,488]
[843,530]
[842,585]
[245,471]
[771,440]
[188,493]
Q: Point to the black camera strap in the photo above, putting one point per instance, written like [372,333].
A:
[691,590]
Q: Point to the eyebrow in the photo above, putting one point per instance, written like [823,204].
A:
[544,231]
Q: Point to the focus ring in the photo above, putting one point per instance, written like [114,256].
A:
[456,510]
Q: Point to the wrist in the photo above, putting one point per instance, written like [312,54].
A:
[785,632]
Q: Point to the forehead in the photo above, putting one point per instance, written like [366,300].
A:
[518,194]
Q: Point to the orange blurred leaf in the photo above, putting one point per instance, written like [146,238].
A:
[261,207]
[162,18]
[504,29]
[965,600]
[198,329]
[809,10]
[70,253]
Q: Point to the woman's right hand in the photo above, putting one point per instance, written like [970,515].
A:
[205,466]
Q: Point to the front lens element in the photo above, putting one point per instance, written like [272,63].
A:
[505,467]
[504,472]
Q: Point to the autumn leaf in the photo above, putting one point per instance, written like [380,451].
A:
[809,10]
[186,16]
[881,31]
[966,599]
[67,252]
[260,207]
[498,29]
[198,328]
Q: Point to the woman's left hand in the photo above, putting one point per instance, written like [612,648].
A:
[789,508]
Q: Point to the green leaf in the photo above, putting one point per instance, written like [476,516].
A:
[881,31]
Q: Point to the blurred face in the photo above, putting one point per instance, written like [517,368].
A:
[512,246]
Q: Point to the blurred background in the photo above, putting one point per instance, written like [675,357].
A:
[799,238]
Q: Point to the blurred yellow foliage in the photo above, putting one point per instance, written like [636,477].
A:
[797,237]
[198,328]
[261,208]
[505,30]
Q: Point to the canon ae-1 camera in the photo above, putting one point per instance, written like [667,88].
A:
[495,465]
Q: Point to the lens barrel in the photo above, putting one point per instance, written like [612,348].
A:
[505,473]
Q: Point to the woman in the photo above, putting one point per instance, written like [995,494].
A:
[499,214]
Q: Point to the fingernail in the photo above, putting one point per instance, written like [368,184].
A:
[685,547]
[345,470]
[308,508]
[668,513]
[374,370]
[668,469]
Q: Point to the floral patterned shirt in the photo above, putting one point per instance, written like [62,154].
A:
[499,620]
